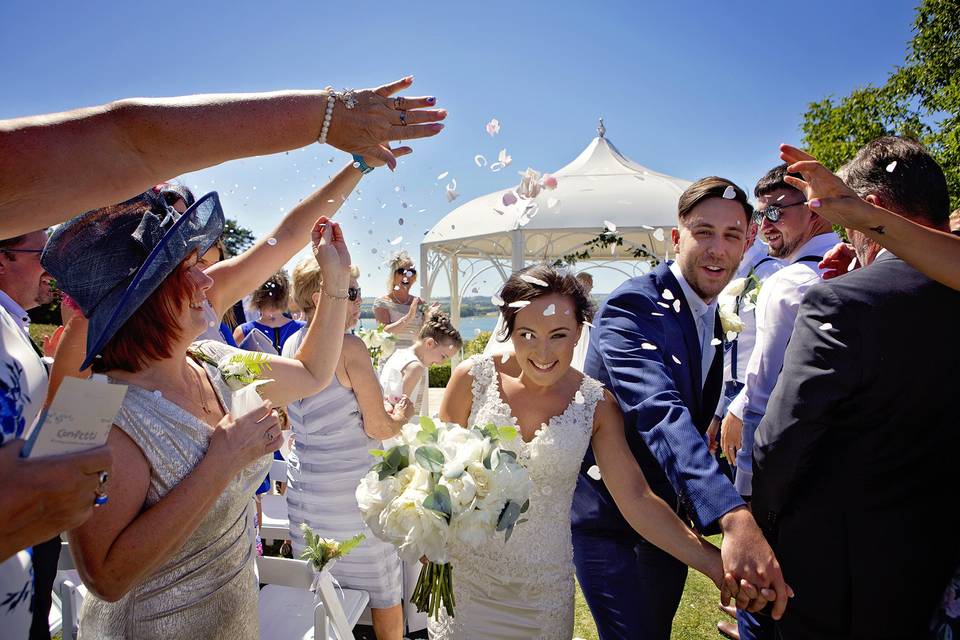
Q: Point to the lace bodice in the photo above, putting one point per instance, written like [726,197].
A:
[534,569]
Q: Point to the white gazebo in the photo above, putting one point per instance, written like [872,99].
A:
[601,185]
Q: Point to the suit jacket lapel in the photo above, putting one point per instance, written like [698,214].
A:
[691,337]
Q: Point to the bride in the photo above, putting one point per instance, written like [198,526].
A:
[523,588]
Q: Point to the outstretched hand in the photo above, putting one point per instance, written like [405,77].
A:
[826,193]
[377,118]
[331,251]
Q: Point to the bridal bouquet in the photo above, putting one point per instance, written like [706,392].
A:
[440,484]
[380,344]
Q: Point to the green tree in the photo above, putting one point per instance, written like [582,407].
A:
[236,238]
[920,100]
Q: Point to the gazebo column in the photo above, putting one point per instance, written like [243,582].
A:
[518,258]
[454,291]
[424,274]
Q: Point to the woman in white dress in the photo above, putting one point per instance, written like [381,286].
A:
[523,588]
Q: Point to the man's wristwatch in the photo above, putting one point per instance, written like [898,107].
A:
[360,165]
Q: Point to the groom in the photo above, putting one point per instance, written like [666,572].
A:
[657,348]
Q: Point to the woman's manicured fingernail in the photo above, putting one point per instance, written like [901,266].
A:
[409,78]
[815,203]
[442,113]
[431,100]
[438,126]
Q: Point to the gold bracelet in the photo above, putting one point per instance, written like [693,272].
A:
[342,298]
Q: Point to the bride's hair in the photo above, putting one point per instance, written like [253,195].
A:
[559,281]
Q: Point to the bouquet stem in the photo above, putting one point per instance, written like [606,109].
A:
[434,588]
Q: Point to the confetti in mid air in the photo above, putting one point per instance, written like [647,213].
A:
[594,471]
[396,241]
[657,314]
[658,235]
[550,310]
[552,202]
[503,158]
[667,294]
[509,199]
[587,323]
[676,359]
[781,198]
[826,326]
[443,175]
[716,342]
[400,222]
[646,346]
[548,181]
[212,324]
[452,193]
[480,160]
[493,127]
[663,304]
[892,167]
[731,336]
[612,228]
[532,280]
[729,193]
[676,306]
[272,242]
[505,357]
[476,331]
[519,304]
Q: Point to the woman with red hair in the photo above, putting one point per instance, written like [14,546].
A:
[170,553]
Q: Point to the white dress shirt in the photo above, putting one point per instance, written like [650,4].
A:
[703,317]
[777,306]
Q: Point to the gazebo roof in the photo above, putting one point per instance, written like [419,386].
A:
[600,185]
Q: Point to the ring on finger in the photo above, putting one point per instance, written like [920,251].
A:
[103,476]
[269,436]
[100,499]
[398,103]
[403,118]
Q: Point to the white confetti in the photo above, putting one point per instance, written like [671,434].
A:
[331,200]
[509,199]
[676,359]
[781,197]
[212,324]
[729,193]
[612,228]
[373,250]
[552,202]
[646,346]
[716,342]
[480,160]
[443,175]
[496,166]
[676,306]
[550,310]
[396,241]
[578,397]
[493,127]
[892,167]
[396,287]
[519,304]
[658,235]
[588,323]
[503,158]
[667,294]
[272,242]
[826,326]
[452,194]
[731,336]
[505,357]
[663,304]
[656,314]
[532,280]
[594,472]
[476,331]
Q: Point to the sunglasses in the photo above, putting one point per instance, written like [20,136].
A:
[37,251]
[407,271]
[773,213]
[353,294]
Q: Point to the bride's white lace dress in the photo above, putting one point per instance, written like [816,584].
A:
[523,588]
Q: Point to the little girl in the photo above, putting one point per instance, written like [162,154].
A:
[404,371]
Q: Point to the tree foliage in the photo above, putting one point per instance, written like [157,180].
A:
[920,100]
[236,238]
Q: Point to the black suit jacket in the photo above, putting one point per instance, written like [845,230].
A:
[856,459]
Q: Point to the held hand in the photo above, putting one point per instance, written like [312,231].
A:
[245,439]
[403,410]
[838,261]
[330,250]
[731,438]
[747,556]
[711,434]
[826,193]
[377,118]
[51,494]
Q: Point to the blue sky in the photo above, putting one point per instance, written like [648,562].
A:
[687,88]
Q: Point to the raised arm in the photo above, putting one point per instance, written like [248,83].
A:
[377,423]
[55,166]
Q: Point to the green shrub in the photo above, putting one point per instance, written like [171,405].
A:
[440,375]
[476,345]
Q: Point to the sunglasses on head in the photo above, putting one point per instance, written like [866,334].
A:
[353,294]
[773,213]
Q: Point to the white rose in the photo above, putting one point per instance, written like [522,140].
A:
[512,482]
[463,492]
[372,496]
[734,288]
[482,479]
[414,530]
[460,451]
[474,527]
[413,478]
[408,433]
[729,320]
[387,348]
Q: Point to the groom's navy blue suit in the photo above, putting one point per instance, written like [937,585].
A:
[632,587]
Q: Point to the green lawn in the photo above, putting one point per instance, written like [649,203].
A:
[696,618]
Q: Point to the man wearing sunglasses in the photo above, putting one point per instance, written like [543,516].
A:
[798,237]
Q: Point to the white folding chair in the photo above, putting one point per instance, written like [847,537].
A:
[289,610]
[70,591]
[276,520]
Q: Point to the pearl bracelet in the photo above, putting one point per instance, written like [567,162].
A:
[345,297]
[331,100]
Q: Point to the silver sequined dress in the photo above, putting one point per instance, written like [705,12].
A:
[207,589]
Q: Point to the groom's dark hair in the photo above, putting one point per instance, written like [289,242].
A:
[708,188]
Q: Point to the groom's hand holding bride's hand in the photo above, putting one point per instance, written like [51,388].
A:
[747,557]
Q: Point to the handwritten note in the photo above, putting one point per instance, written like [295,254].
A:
[79,418]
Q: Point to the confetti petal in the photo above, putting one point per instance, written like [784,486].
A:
[493,127]
[552,202]
[452,194]
[509,199]
[612,228]
[892,167]
[272,242]
[781,197]
[658,235]
[663,304]
[588,323]
[646,346]
[496,166]
[505,357]
[548,182]
[578,397]
[519,304]
[396,241]
[504,158]
[212,324]
[676,359]
[716,342]
[657,314]
[400,222]
[676,306]
[667,294]
[480,160]
[550,310]
[594,471]
[826,326]
[532,280]
[443,175]
[476,331]
[729,193]
[731,336]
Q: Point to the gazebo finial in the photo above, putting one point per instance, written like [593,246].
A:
[601,130]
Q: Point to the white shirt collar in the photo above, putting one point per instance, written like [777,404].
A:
[698,307]
[15,310]
[815,246]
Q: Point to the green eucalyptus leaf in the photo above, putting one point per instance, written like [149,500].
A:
[430,458]
[507,432]
[377,453]
[509,516]
[439,501]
